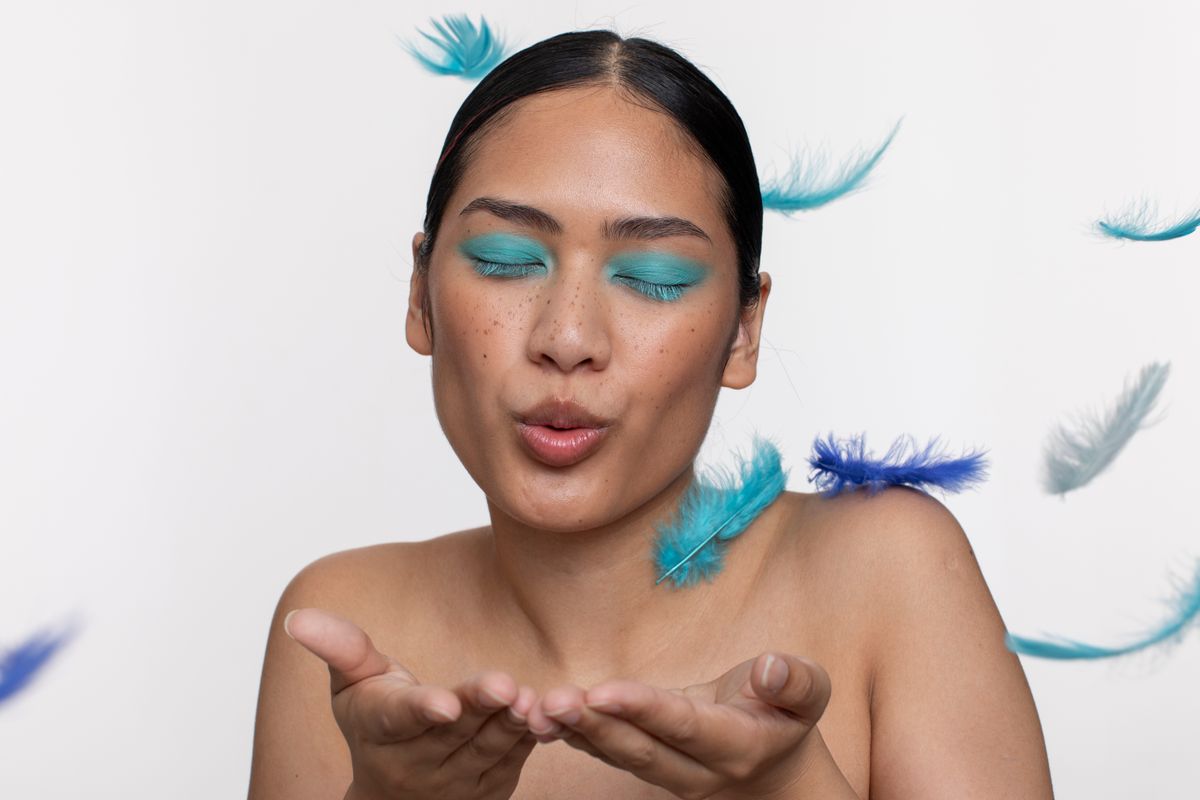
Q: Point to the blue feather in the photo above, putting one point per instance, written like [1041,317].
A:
[467,51]
[712,512]
[1137,223]
[1185,611]
[1074,457]
[19,665]
[806,186]
[838,466]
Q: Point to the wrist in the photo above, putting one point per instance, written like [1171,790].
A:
[811,773]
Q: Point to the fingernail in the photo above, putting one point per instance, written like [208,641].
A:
[606,706]
[438,714]
[775,673]
[567,716]
[490,698]
[515,716]
[545,732]
[288,619]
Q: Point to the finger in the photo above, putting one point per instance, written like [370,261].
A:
[495,738]
[799,686]
[480,696]
[501,780]
[345,647]
[721,737]
[389,712]
[626,746]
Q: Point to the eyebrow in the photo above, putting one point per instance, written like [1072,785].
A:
[621,228]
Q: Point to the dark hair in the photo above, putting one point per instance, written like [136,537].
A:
[648,71]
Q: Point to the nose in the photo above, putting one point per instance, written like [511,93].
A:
[570,325]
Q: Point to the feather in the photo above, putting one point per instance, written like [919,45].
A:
[467,51]
[807,185]
[1137,223]
[838,466]
[712,512]
[1074,457]
[20,664]
[1184,611]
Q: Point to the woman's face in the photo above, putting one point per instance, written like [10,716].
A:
[583,291]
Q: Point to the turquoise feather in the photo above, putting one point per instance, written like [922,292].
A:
[690,547]
[808,184]
[466,50]
[1184,614]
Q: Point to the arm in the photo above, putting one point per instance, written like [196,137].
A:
[952,714]
[299,752]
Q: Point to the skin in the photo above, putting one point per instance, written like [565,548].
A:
[898,684]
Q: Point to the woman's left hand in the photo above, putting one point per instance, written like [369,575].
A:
[730,738]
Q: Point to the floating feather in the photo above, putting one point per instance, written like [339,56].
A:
[1185,611]
[467,51]
[838,466]
[807,184]
[691,546]
[20,664]
[1074,457]
[1137,223]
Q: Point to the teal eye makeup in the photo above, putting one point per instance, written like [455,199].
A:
[505,255]
[659,276]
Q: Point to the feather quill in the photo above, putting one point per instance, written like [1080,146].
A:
[19,665]
[809,185]
[466,50]
[691,546]
[1074,457]
[1184,612]
[838,466]
[1138,223]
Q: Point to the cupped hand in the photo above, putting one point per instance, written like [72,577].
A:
[412,741]
[732,737]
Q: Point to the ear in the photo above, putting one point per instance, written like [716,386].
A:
[416,324]
[742,366]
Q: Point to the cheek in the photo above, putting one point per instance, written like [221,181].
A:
[678,360]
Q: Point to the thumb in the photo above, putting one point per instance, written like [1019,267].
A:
[797,685]
[345,647]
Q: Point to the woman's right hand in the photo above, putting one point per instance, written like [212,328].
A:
[410,741]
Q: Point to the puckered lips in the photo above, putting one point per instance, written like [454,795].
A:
[560,432]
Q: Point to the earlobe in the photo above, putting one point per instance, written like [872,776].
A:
[416,323]
[741,368]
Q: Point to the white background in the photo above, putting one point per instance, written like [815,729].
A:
[206,211]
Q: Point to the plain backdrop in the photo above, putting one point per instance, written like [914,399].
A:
[205,219]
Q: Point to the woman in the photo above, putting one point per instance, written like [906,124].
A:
[585,283]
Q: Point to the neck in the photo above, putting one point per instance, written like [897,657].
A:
[586,601]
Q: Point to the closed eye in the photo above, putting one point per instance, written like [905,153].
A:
[662,292]
[501,270]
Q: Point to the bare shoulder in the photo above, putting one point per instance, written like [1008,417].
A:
[299,752]
[952,714]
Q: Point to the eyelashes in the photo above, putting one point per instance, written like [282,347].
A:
[661,292]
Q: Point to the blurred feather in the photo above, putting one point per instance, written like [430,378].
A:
[713,511]
[808,184]
[1138,223]
[19,665]
[467,51]
[1184,611]
[1074,457]
[838,466]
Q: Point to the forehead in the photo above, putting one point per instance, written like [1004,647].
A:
[587,153]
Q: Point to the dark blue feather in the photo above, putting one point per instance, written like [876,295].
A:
[691,546]
[19,665]
[1185,611]
[838,466]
